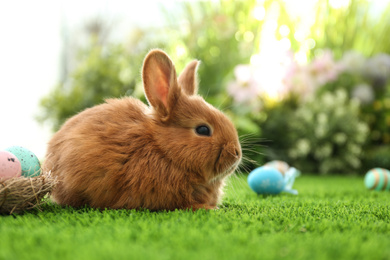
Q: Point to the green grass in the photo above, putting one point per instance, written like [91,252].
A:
[331,218]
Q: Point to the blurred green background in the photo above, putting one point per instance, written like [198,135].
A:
[305,82]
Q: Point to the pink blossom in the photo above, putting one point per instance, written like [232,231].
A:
[324,68]
[279,76]
[299,81]
[245,87]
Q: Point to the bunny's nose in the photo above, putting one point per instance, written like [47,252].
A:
[237,152]
[233,150]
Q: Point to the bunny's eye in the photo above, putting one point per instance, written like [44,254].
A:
[203,130]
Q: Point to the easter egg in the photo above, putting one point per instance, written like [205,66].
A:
[377,179]
[29,161]
[9,166]
[281,166]
[266,180]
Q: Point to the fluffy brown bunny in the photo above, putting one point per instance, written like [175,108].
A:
[173,154]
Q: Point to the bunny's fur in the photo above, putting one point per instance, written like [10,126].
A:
[124,154]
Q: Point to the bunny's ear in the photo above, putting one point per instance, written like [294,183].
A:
[188,80]
[160,84]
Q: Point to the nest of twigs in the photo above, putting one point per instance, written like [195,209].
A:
[20,193]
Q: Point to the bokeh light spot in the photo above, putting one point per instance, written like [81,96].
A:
[259,13]
[284,30]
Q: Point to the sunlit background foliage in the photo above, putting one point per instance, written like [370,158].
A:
[307,83]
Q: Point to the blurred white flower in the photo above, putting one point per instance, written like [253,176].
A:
[341,95]
[306,115]
[362,130]
[328,100]
[364,93]
[340,111]
[352,61]
[354,104]
[320,131]
[340,138]
[378,67]
[334,135]
[323,151]
[303,146]
[353,161]
[353,148]
[293,153]
[322,119]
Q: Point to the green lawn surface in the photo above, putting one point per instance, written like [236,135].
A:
[331,218]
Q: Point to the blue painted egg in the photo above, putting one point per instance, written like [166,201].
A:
[266,180]
[377,179]
[29,161]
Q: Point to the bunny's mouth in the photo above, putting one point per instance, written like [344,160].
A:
[225,172]
[227,160]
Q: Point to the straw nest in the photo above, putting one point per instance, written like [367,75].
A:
[20,193]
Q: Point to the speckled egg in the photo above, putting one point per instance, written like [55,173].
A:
[29,161]
[9,166]
[377,179]
[266,180]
